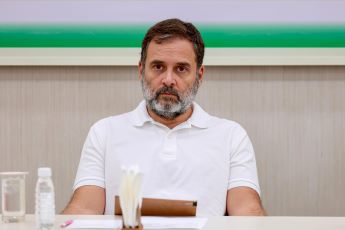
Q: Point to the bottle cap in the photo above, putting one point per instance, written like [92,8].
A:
[44,172]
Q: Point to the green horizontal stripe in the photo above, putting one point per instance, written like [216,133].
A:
[132,35]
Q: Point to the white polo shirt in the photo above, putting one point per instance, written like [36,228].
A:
[200,159]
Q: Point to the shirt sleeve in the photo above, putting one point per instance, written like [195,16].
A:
[91,165]
[243,171]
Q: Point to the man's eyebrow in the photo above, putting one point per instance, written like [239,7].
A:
[156,62]
[183,64]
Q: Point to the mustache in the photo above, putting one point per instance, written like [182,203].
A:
[166,89]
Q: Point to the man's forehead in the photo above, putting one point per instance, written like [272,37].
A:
[180,63]
[168,39]
[169,47]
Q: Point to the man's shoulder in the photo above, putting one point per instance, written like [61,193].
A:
[226,126]
[220,121]
[215,122]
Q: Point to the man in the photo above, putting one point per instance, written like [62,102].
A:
[183,152]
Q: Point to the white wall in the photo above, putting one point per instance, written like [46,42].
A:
[151,11]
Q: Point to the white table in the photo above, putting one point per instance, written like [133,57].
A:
[275,223]
[219,223]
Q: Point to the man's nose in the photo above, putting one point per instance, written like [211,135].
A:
[169,78]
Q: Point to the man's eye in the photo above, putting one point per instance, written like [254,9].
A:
[157,67]
[181,69]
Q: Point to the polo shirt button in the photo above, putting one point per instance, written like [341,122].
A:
[168,154]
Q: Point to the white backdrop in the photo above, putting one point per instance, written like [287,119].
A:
[148,11]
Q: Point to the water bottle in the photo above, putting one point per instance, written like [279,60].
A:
[45,200]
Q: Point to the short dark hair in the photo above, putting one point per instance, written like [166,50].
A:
[174,28]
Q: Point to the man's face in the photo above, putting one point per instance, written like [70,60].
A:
[170,78]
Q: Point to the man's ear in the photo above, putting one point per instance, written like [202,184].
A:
[201,71]
[140,70]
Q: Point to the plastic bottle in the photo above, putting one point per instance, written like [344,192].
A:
[45,200]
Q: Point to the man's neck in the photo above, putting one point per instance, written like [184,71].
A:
[171,123]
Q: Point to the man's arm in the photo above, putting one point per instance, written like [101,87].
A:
[89,200]
[244,201]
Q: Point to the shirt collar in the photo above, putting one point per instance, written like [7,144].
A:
[199,117]
[140,115]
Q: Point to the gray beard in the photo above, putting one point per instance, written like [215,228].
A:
[169,108]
